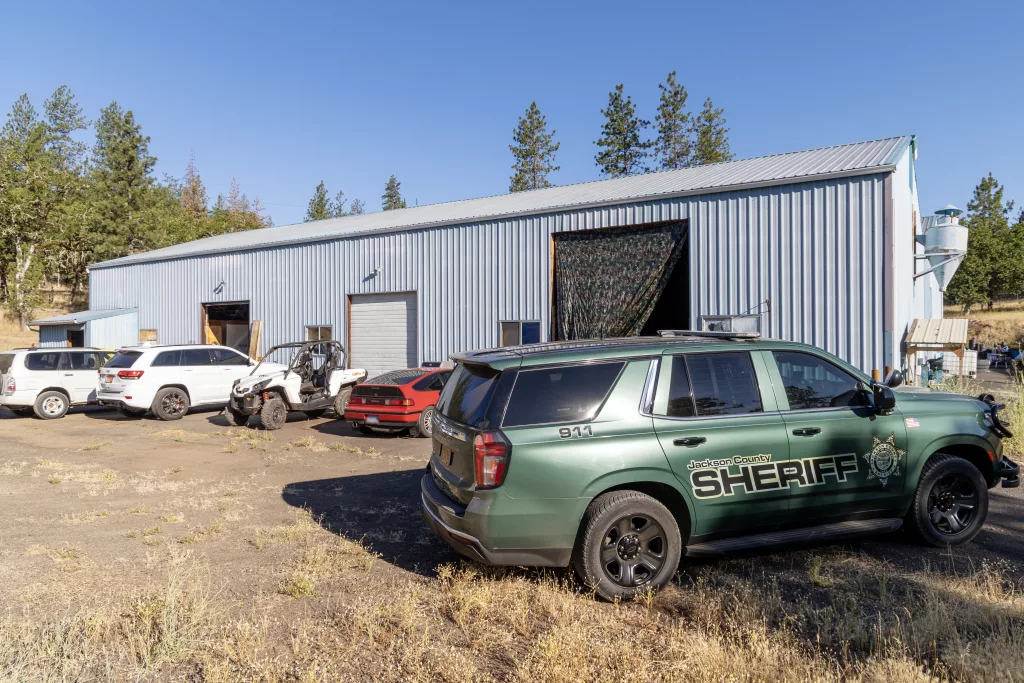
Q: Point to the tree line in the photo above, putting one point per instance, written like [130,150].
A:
[64,204]
[993,268]
[684,139]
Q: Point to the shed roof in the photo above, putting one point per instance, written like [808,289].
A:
[858,158]
[937,332]
[81,316]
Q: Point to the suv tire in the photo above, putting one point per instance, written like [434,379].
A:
[629,542]
[51,405]
[171,403]
[130,412]
[274,413]
[341,402]
[235,418]
[951,502]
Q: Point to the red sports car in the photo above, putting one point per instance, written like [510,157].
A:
[398,400]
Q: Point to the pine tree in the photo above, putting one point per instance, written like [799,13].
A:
[711,142]
[319,206]
[994,264]
[534,152]
[674,146]
[392,197]
[623,152]
[121,175]
[235,212]
[193,197]
[357,208]
[63,119]
[338,206]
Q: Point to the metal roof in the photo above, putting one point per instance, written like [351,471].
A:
[876,156]
[81,317]
[937,332]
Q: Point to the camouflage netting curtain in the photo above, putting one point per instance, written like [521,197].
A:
[607,282]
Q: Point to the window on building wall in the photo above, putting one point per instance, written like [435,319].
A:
[516,332]
[319,333]
[147,336]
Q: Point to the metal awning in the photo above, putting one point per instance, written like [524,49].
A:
[81,317]
[937,333]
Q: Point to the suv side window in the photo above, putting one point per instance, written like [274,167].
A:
[557,395]
[43,361]
[709,384]
[813,383]
[195,357]
[84,360]
[167,359]
[225,357]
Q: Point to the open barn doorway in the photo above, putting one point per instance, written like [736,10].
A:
[620,282]
[227,325]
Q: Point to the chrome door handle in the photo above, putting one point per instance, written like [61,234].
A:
[690,441]
[807,431]
[68,374]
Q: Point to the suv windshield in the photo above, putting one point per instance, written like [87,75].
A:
[5,362]
[467,393]
[123,359]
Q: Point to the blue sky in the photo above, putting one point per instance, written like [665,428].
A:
[283,95]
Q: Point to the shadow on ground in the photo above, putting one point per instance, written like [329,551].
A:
[382,510]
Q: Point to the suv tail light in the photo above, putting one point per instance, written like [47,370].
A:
[11,386]
[491,454]
[129,374]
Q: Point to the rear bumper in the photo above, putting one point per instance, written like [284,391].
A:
[405,419]
[1009,472]
[463,531]
[22,399]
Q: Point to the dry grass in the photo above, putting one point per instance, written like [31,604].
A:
[1004,323]
[730,621]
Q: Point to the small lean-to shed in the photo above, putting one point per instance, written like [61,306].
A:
[101,329]
[935,335]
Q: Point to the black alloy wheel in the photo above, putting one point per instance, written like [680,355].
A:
[173,403]
[633,550]
[952,503]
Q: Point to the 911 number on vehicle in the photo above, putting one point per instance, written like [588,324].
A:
[570,432]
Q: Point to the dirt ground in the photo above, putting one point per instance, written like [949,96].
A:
[301,554]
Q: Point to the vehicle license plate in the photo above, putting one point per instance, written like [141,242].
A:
[372,420]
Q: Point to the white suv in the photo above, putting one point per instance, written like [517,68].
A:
[48,381]
[170,379]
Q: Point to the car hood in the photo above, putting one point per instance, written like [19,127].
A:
[926,394]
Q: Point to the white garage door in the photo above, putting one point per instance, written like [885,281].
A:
[383,332]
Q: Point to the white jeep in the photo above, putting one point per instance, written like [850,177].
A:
[314,380]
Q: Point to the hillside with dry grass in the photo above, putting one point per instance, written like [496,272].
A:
[55,301]
[1004,323]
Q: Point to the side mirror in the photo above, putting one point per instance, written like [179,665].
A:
[894,379]
[885,399]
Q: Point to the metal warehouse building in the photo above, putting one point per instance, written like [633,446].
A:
[816,246]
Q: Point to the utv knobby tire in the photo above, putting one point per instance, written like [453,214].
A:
[315,414]
[341,402]
[274,414]
[926,518]
[171,403]
[600,538]
[51,405]
[235,418]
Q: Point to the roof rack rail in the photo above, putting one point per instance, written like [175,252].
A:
[709,334]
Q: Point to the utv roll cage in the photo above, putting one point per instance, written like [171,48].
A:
[301,360]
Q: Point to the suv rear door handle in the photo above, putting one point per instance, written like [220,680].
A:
[807,431]
[690,441]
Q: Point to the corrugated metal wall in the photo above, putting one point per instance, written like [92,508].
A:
[110,333]
[55,335]
[813,249]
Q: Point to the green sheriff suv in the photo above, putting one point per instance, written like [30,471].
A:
[619,456]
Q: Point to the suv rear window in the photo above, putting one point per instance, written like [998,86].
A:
[563,394]
[43,361]
[123,359]
[467,393]
[5,362]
